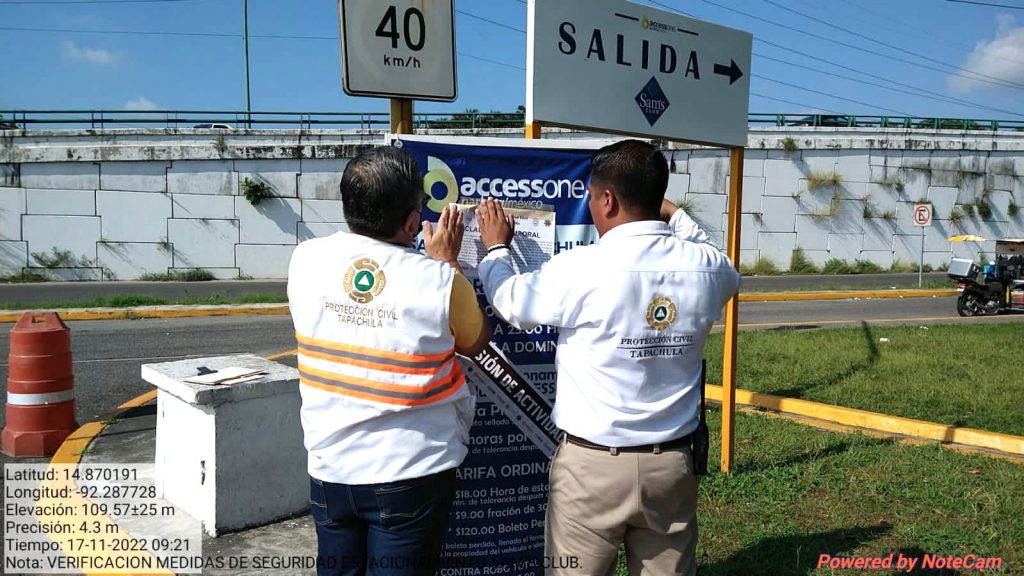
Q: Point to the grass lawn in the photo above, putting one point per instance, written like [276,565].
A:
[131,300]
[960,375]
[797,492]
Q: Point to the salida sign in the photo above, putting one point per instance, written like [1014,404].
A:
[623,67]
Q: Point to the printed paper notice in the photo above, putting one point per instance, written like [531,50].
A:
[534,243]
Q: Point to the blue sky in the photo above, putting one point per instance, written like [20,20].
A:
[51,61]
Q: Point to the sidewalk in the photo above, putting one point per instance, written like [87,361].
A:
[133,440]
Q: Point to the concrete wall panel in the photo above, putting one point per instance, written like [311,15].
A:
[75,234]
[709,172]
[848,217]
[202,177]
[750,230]
[853,165]
[753,162]
[784,176]
[273,221]
[203,206]
[281,175]
[133,216]
[778,247]
[309,231]
[883,258]
[13,257]
[61,175]
[678,187]
[812,233]
[134,176]
[881,198]
[128,261]
[61,202]
[322,211]
[878,233]
[779,214]
[845,246]
[263,261]
[893,158]
[10,175]
[203,243]
[753,191]
[12,206]
[320,178]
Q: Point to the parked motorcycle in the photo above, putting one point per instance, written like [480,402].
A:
[1002,285]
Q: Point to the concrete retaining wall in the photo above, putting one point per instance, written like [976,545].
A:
[84,205]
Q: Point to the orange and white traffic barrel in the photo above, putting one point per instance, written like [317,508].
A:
[40,386]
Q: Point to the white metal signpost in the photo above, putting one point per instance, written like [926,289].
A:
[398,48]
[624,67]
[922,217]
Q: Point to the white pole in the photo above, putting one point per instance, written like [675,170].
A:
[920,266]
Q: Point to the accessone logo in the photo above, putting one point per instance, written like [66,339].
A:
[439,173]
[499,188]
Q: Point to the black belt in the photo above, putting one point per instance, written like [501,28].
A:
[646,448]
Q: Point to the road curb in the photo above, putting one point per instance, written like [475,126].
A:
[878,423]
[844,295]
[185,311]
[142,312]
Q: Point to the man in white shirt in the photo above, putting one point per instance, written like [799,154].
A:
[385,406]
[633,313]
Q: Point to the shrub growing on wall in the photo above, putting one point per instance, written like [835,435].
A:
[799,263]
[256,191]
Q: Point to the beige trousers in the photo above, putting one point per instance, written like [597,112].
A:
[599,500]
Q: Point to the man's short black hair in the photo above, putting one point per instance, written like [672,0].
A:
[379,189]
[636,171]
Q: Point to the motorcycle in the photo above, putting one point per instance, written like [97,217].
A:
[1002,285]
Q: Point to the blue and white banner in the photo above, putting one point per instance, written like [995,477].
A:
[497,524]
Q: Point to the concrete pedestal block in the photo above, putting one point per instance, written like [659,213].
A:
[231,456]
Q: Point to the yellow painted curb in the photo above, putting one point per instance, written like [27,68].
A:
[843,295]
[159,312]
[103,533]
[874,421]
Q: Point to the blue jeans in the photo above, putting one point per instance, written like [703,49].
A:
[392,529]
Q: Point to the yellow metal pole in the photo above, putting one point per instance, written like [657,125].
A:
[533,131]
[732,309]
[401,116]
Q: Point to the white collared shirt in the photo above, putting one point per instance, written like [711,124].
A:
[633,313]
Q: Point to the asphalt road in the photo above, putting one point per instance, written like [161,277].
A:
[108,354]
[79,291]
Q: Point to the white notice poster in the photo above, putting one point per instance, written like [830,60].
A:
[534,243]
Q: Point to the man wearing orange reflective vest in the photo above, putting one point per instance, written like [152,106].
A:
[386,409]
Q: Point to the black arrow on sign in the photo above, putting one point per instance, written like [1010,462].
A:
[733,71]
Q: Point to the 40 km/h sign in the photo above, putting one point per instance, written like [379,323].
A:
[922,214]
[398,48]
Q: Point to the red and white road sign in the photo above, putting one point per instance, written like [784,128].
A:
[922,214]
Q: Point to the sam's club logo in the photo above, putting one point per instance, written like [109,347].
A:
[652,101]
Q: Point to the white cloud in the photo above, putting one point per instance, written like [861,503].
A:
[140,103]
[1002,57]
[97,56]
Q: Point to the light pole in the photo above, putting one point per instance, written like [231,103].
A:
[248,98]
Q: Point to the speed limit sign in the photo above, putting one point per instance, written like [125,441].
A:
[922,214]
[398,48]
